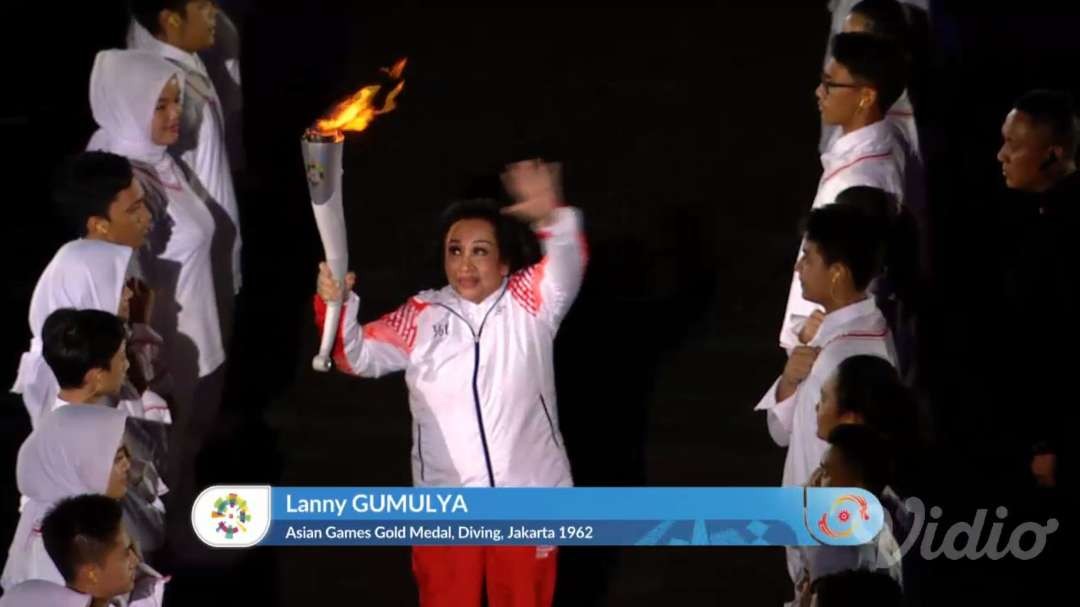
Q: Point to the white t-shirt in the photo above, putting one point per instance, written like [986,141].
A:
[185,308]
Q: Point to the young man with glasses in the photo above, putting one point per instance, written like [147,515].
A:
[862,80]
[901,20]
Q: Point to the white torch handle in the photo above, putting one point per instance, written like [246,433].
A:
[330,220]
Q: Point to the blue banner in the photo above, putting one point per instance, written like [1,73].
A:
[580,516]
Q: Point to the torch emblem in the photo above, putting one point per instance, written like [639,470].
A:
[316,173]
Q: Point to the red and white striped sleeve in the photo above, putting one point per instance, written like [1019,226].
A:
[548,288]
[380,347]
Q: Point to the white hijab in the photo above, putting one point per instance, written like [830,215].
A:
[71,453]
[124,89]
[85,275]
[39,593]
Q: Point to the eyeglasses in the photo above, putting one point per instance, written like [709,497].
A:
[831,84]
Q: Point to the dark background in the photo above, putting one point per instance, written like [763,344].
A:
[688,136]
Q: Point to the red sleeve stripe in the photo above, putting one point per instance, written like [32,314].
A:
[870,335]
[847,166]
[525,286]
[398,328]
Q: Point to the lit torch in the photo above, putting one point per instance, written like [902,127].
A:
[322,149]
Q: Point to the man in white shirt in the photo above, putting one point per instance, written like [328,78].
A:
[886,19]
[177,30]
[862,80]
[841,258]
[841,11]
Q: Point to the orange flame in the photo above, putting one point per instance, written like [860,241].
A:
[359,110]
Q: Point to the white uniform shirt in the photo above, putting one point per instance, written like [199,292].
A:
[182,273]
[481,377]
[202,132]
[871,156]
[901,115]
[850,331]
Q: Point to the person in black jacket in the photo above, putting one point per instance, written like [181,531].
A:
[1040,270]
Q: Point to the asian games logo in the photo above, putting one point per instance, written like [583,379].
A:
[842,516]
[316,173]
[847,513]
[231,514]
[236,516]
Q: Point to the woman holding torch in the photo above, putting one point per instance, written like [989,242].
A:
[478,362]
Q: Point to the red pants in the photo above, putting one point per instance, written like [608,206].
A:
[454,576]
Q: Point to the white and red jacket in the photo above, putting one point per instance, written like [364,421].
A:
[875,155]
[481,376]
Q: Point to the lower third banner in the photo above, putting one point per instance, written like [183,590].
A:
[245,516]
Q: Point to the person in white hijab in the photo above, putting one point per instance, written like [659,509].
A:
[75,450]
[84,275]
[178,37]
[135,99]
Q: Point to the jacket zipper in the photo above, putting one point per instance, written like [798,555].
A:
[551,424]
[475,386]
[479,414]
[420,447]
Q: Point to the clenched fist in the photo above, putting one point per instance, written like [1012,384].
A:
[796,370]
[810,328]
[329,289]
